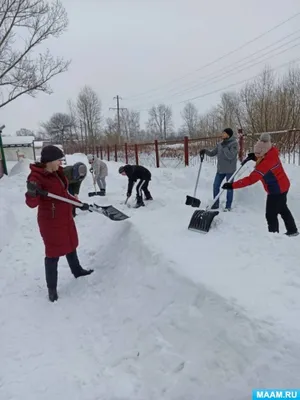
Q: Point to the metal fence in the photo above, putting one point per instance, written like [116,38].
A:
[185,152]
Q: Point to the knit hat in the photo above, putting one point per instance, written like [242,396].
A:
[79,171]
[263,145]
[229,131]
[90,157]
[51,153]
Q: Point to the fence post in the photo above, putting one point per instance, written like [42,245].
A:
[186,151]
[136,154]
[126,153]
[108,153]
[3,156]
[116,153]
[101,153]
[241,144]
[156,153]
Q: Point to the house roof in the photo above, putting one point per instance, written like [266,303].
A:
[17,140]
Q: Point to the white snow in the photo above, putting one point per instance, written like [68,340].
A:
[168,313]
[15,140]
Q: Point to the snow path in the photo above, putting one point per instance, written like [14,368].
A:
[139,327]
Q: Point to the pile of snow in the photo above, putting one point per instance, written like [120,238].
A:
[168,313]
[22,166]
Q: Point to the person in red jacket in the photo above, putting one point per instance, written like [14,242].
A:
[55,217]
[270,172]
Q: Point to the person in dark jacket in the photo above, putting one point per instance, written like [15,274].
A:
[55,220]
[135,172]
[270,172]
[227,154]
[75,174]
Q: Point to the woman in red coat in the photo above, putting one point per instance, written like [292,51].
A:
[270,172]
[55,219]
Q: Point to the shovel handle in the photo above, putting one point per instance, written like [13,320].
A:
[55,196]
[198,176]
[229,180]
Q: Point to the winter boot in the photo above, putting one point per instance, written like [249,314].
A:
[52,294]
[75,266]
[290,234]
[139,202]
[102,192]
[149,197]
[83,272]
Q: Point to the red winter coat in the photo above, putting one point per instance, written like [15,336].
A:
[55,219]
[270,171]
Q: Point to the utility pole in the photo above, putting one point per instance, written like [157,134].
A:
[118,98]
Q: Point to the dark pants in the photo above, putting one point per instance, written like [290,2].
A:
[142,186]
[71,191]
[277,205]
[51,268]
[216,188]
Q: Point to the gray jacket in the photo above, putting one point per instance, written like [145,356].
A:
[100,168]
[226,152]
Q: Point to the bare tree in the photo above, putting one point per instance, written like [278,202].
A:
[160,121]
[190,118]
[58,128]
[25,132]
[88,108]
[22,71]
[130,124]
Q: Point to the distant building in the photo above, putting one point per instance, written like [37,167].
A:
[17,147]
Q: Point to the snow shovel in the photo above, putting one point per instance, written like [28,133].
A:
[193,201]
[95,193]
[202,219]
[108,211]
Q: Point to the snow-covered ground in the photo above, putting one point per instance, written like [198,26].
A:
[168,313]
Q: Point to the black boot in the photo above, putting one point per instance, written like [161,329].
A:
[52,293]
[139,202]
[83,272]
[51,277]
[75,266]
[102,192]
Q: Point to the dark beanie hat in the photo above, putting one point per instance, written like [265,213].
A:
[51,153]
[229,131]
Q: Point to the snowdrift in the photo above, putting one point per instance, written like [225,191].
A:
[167,314]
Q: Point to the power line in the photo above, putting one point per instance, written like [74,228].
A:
[233,72]
[231,85]
[217,59]
[199,85]
[237,83]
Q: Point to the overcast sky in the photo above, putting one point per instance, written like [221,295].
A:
[131,47]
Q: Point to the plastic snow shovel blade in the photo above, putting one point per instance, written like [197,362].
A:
[94,194]
[201,220]
[192,201]
[111,212]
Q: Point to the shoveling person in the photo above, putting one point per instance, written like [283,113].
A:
[75,174]
[227,154]
[269,170]
[100,171]
[55,219]
[135,172]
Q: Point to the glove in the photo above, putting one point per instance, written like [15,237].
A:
[202,152]
[91,170]
[227,186]
[85,207]
[32,189]
[128,194]
[252,157]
